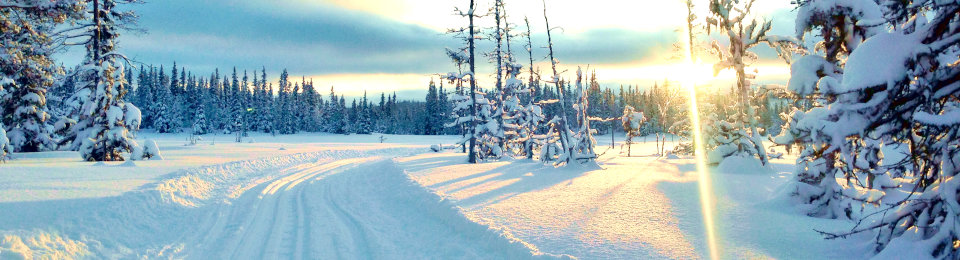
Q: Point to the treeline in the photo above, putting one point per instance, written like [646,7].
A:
[173,100]
[179,100]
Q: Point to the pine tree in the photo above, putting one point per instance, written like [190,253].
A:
[814,180]
[469,33]
[898,95]
[28,38]
[364,125]
[336,114]
[164,121]
[294,112]
[199,125]
[430,119]
[101,122]
[5,149]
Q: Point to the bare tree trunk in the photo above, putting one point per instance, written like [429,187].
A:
[499,54]
[564,129]
[473,89]
[529,145]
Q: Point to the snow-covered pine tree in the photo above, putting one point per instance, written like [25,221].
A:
[364,125]
[164,121]
[311,107]
[459,58]
[344,122]
[100,122]
[5,149]
[238,128]
[264,103]
[294,110]
[582,138]
[632,122]
[28,38]
[813,77]
[730,17]
[199,124]
[237,100]
[469,34]
[270,107]
[145,96]
[515,133]
[336,115]
[282,106]
[898,92]
[431,121]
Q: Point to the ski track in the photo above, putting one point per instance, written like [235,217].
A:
[274,219]
[345,204]
[355,208]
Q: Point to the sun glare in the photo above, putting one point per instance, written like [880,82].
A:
[693,74]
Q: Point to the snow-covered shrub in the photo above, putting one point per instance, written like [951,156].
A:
[632,122]
[151,151]
[148,151]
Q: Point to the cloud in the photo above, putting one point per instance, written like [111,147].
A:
[208,34]
[327,39]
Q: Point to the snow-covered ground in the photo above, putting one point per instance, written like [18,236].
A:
[350,197]
[638,207]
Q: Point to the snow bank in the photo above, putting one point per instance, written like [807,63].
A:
[879,60]
[199,186]
[39,245]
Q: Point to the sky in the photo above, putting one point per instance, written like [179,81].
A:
[399,45]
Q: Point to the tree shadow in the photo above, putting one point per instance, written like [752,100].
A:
[520,176]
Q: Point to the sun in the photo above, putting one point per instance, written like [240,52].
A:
[694,73]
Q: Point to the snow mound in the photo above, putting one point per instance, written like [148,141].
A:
[805,73]
[742,164]
[879,60]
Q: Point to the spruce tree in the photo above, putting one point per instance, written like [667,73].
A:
[28,39]
[100,123]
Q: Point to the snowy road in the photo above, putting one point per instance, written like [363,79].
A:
[356,208]
[351,203]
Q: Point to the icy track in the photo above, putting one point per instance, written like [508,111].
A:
[322,205]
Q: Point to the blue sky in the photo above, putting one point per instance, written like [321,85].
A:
[381,45]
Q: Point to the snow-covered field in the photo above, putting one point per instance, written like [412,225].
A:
[312,196]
